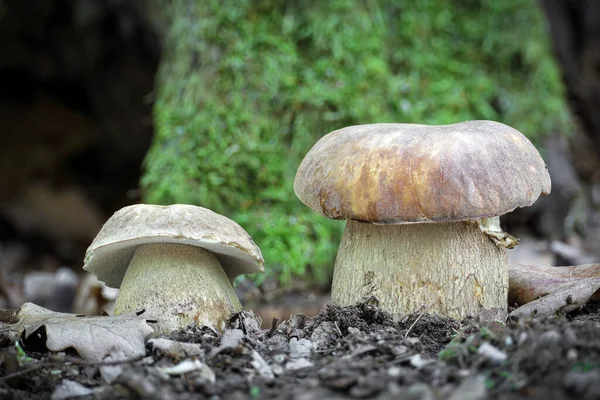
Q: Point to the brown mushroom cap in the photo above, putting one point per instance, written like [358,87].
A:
[111,251]
[397,173]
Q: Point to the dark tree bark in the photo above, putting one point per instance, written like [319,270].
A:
[76,82]
[575,33]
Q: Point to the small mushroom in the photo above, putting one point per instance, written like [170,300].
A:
[176,262]
[422,204]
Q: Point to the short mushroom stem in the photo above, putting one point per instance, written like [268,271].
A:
[177,284]
[453,269]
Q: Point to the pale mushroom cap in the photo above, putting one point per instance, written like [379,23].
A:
[400,173]
[111,251]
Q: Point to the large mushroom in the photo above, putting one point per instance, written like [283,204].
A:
[422,204]
[176,262]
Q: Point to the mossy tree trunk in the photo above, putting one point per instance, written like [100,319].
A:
[246,87]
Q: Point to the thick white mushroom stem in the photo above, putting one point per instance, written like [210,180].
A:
[452,269]
[177,284]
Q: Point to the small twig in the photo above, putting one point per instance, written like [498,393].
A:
[273,327]
[425,307]
[338,328]
[53,360]
[21,372]
[78,361]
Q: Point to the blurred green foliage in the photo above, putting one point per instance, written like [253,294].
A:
[247,87]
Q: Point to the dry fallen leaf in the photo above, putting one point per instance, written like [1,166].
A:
[93,338]
[545,290]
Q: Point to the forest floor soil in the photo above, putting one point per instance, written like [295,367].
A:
[352,352]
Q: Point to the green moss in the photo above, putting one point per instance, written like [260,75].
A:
[247,87]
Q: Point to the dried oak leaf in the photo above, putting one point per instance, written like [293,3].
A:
[547,290]
[93,338]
